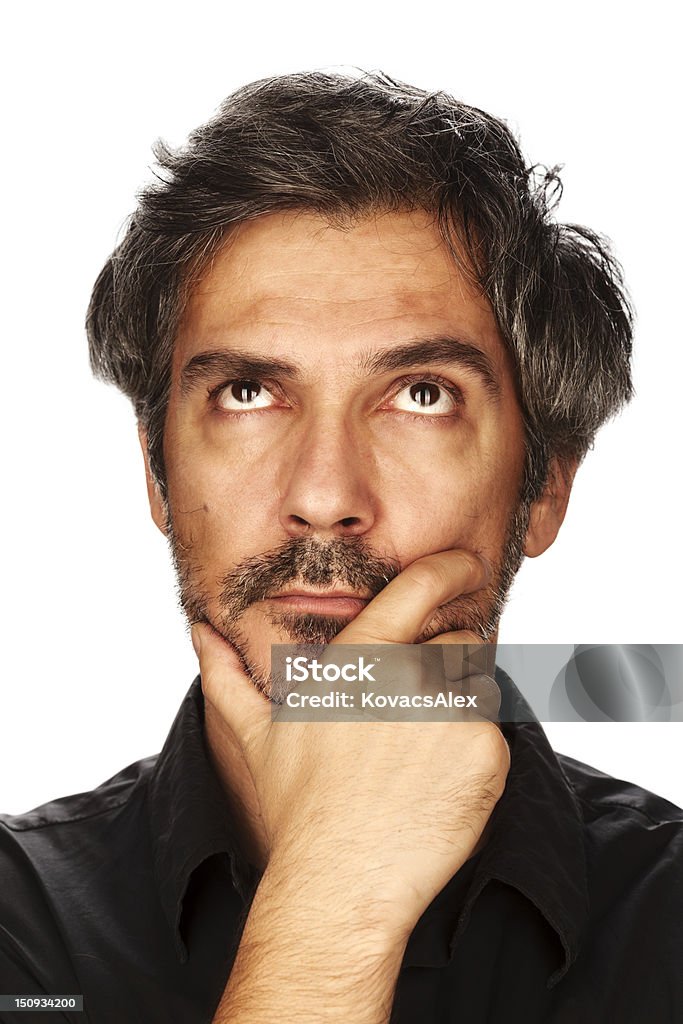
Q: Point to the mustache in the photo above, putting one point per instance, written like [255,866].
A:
[308,561]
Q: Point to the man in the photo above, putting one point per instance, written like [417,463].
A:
[366,364]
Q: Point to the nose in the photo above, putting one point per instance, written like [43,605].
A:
[326,482]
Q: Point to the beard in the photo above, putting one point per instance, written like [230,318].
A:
[311,562]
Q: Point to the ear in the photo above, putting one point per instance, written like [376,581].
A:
[157,504]
[547,513]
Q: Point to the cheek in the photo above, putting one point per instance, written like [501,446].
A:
[445,499]
[220,506]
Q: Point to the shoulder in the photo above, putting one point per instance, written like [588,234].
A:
[38,845]
[634,845]
[44,857]
[630,940]
[104,799]
[601,795]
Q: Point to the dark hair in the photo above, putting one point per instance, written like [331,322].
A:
[345,147]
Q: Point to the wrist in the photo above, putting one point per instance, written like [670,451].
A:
[305,954]
[331,893]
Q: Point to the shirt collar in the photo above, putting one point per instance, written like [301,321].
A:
[535,843]
[189,813]
[539,843]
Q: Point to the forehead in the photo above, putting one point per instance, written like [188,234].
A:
[292,275]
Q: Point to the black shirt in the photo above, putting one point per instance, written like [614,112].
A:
[135,895]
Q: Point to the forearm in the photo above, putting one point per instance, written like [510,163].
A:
[311,954]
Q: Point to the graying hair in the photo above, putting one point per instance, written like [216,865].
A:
[345,147]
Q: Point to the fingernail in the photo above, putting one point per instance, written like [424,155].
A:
[196,640]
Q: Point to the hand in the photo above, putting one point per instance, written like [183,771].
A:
[391,809]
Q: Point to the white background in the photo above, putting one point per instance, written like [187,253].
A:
[95,655]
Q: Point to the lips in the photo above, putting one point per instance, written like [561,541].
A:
[320,602]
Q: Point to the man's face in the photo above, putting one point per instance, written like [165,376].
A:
[387,427]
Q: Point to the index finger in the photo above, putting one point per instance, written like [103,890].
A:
[400,612]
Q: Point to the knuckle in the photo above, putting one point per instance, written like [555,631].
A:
[468,636]
[366,629]
[427,576]
[210,686]
[494,748]
[472,563]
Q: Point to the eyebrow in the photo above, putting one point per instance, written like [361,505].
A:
[445,350]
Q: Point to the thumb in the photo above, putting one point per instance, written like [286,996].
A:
[226,685]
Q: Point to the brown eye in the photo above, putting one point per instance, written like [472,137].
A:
[243,395]
[244,391]
[425,396]
[425,393]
